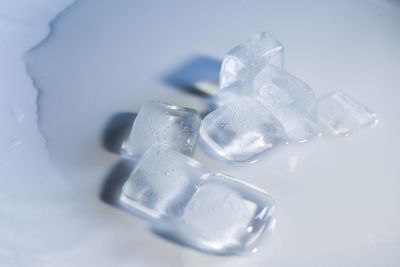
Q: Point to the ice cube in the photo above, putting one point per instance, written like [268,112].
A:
[156,122]
[241,130]
[162,183]
[241,64]
[245,60]
[224,216]
[290,100]
[342,115]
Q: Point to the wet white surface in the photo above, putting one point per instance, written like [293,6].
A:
[338,201]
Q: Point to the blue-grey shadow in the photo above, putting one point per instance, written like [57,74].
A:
[197,69]
[112,185]
[117,130]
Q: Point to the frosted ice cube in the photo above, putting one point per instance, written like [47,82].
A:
[342,115]
[241,64]
[224,216]
[290,100]
[241,130]
[162,183]
[156,122]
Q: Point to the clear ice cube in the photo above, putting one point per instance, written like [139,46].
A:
[241,130]
[156,122]
[290,100]
[162,183]
[241,64]
[342,115]
[187,203]
[224,216]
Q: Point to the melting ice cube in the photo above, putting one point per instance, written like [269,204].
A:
[241,64]
[156,122]
[162,183]
[241,130]
[290,100]
[342,115]
[255,69]
[224,216]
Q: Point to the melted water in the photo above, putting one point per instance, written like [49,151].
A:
[103,59]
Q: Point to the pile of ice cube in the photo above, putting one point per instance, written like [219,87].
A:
[260,107]
[185,201]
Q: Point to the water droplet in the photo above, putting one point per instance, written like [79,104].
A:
[14,143]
